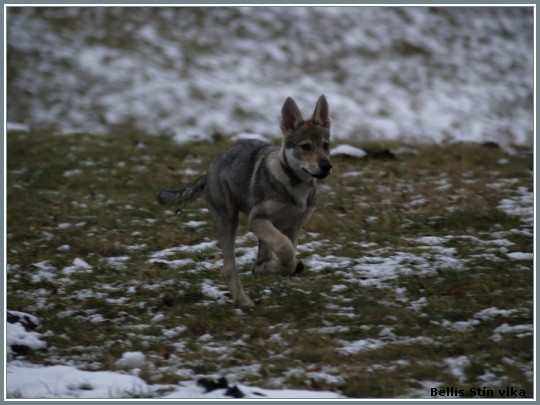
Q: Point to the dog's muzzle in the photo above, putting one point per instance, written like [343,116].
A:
[325,168]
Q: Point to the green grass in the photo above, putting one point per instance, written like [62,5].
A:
[105,207]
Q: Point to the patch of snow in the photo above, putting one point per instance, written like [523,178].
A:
[312,246]
[187,172]
[73,172]
[378,270]
[24,317]
[457,366]
[193,248]
[401,295]
[17,127]
[502,242]
[172,263]
[249,135]
[46,271]
[461,326]
[517,330]
[348,150]
[117,262]
[191,390]
[432,240]
[246,255]
[520,256]
[185,137]
[360,346]
[326,377]
[386,332]
[338,288]
[195,224]
[330,330]
[79,265]
[213,292]
[317,262]
[419,304]
[493,312]
[352,174]
[17,335]
[30,381]
[157,318]
[96,318]
[63,248]
[131,360]
[388,73]
[521,204]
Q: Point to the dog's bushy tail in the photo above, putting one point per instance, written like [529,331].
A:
[182,197]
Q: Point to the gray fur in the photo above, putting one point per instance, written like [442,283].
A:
[184,196]
[274,186]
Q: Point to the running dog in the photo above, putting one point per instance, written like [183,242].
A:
[275,186]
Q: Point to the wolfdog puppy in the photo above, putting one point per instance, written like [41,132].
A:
[274,186]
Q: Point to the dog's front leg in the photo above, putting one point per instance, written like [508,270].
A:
[264,254]
[278,243]
[292,233]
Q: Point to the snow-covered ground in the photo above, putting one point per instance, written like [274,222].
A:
[431,74]
[31,381]
[378,268]
[27,380]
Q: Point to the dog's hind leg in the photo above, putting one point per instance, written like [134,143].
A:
[226,232]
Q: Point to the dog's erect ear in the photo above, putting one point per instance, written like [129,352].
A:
[320,115]
[290,116]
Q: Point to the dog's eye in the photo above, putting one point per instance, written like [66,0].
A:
[326,146]
[306,147]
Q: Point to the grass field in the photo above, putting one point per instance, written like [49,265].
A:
[420,269]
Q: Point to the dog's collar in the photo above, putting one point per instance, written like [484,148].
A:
[290,174]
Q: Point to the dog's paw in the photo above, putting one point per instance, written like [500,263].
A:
[265,267]
[244,303]
[299,268]
[256,269]
[274,267]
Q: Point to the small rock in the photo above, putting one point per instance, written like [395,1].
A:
[211,385]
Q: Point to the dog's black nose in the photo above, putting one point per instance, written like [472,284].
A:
[325,166]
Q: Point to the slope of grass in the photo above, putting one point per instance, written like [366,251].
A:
[419,275]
